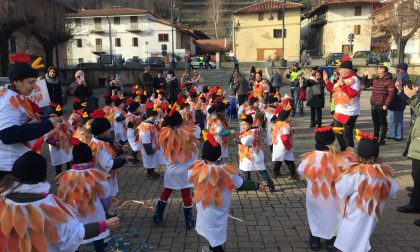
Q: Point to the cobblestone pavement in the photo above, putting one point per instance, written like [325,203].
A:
[271,221]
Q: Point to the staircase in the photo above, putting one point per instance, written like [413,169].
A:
[216,77]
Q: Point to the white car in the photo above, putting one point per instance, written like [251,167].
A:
[195,63]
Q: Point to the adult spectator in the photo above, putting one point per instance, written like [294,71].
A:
[316,99]
[115,86]
[159,81]
[346,98]
[398,104]
[197,81]
[299,93]
[54,85]
[188,60]
[20,125]
[276,80]
[79,87]
[240,87]
[412,151]
[383,91]
[251,77]
[173,88]
[207,61]
[147,80]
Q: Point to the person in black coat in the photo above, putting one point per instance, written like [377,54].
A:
[172,88]
[316,99]
[158,81]
[79,87]
[54,86]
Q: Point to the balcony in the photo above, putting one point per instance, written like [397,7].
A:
[134,27]
[98,29]
[319,21]
[98,50]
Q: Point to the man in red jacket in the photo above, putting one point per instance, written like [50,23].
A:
[383,91]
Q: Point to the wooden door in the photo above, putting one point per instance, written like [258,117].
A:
[260,54]
[345,48]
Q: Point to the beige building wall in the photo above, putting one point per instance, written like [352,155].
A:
[254,40]
[341,21]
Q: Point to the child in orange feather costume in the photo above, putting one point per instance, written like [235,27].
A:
[213,186]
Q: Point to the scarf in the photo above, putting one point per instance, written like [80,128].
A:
[56,80]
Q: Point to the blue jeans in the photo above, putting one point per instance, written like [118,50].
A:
[396,119]
[298,104]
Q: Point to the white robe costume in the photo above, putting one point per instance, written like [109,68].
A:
[323,207]
[361,215]
[215,126]
[282,131]
[104,161]
[11,116]
[148,134]
[251,154]
[70,234]
[119,129]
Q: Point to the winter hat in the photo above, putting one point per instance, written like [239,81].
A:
[211,150]
[56,109]
[150,110]
[100,124]
[82,153]
[403,66]
[273,97]
[324,135]
[117,100]
[133,106]
[77,103]
[30,168]
[247,118]
[346,63]
[173,118]
[21,69]
[368,146]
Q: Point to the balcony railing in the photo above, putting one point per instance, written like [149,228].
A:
[318,21]
[98,28]
[134,27]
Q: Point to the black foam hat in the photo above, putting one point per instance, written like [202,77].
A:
[324,135]
[30,168]
[20,71]
[150,110]
[82,153]
[211,150]
[99,126]
[247,118]
[133,106]
[173,119]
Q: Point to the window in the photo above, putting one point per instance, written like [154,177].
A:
[135,42]
[12,43]
[78,22]
[357,29]
[280,15]
[260,16]
[116,20]
[117,42]
[98,41]
[163,37]
[80,60]
[79,43]
[97,20]
[358,10]
[278,33]
[133,19]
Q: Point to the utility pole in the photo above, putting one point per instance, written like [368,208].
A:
[57,64]
[172,27]
[110,40]
[283,34]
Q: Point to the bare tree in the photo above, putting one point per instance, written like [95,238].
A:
[215,10]
[398,19]
[50,29]
[14,14]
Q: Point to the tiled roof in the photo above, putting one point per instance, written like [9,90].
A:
[266,6]
[214,45]
[195,33]
[108,12]
[312,12]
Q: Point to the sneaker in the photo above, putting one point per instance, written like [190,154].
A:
[382,142]
[417,223]
[134,162]
[398,139]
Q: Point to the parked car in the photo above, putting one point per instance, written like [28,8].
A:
[155,62]
[195,63]
[384,57]
[133,63]
[90,65]
[308,55]
[332,58]
[371,57]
